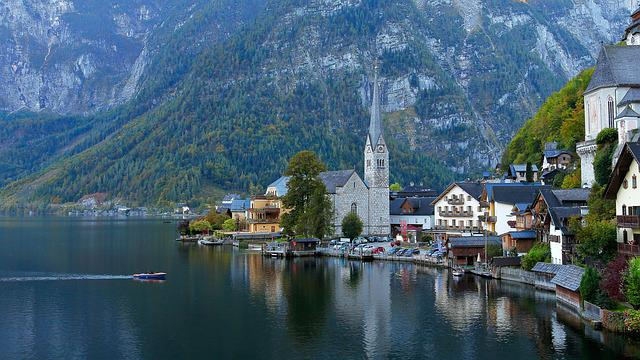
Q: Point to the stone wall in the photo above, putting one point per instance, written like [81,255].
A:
[354,192]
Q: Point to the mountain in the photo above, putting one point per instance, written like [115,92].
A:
[228,91]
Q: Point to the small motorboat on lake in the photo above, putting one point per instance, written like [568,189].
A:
[208,242]
[457,272]
[254,247]
[150,276]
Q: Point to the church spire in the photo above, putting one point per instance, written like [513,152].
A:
[375,124]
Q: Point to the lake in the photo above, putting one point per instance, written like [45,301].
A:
[65,293]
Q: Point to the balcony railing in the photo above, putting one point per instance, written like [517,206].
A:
[628,221]
[456,201]
[263,221]
[456,213]
[458,228]
[628,249]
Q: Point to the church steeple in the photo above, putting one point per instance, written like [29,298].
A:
[375,123]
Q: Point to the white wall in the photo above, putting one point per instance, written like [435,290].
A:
[468,201]
[425,221]
[556,247]
[503,215]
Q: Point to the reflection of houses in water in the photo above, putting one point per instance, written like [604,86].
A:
[464,307]
[363,298]
[265,281]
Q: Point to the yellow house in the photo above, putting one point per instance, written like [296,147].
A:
[264,214]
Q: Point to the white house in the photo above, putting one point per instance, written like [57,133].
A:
[623,187]
[612,98]
[457,210]
[411,213]
[553,210]
[501,198]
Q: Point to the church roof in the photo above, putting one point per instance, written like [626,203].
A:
[335,179]
[632,96]
[616,66]
[375,124]
[628,113]
[331,180]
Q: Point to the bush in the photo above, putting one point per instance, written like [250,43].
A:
[199,226]
[602,163]
[230,225]
[613,278]
[597,241]
[632,283]
[607,136]
[590,285]
[632,321]
[540,252]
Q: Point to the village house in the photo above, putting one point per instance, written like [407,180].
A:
[411,215]
[555,158]
[457,210]
[612,98]
[466,250]
[500,198]
[518,172]
[552,211]
[239,210]
[521,239]
[623,188]
[264,214]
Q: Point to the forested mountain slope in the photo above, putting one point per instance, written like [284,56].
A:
[458,79]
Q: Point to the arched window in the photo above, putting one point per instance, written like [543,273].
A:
[611,112]
[624,210]
[354,208]
[634,182]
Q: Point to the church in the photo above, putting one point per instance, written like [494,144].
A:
[612,98]
[368,197]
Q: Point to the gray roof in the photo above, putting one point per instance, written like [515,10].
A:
[473,241]
[628,112]
[632,96]
[472,188]
[514,194]
[331,180]
[502,261]
[521,168]
[421,206]
[335,179]
[523,234]
[546,268]
[569,277]
[571,195]
[375,124]
[616,66]
[240,204]
[555,153]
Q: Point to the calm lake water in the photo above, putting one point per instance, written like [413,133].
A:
[64,295]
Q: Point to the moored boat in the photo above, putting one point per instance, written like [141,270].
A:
[255,247]
[150,276]
[208,242]
[457,272]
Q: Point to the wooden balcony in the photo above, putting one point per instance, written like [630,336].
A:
[456,213]
[628,249]
[456,201]
[628,221]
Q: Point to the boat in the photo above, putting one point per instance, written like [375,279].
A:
[255,247]
[457,272]
[150,276]
[210,242]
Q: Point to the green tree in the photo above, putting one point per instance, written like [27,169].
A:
[599,207]
[597,241]
[310,211]
[632,283]
[540,252]
[395,187]
[590,285]
[230,225]
[216,220]
[529,172]
[352,226]
[200,226]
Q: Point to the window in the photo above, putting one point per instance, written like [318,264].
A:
[354,184]
[610,112]
[634,183]
[368,163]
[354,208]
[625,184]
[468,197]
[624,210]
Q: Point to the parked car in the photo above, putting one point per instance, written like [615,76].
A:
[378,250]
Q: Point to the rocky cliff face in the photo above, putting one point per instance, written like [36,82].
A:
[72,56]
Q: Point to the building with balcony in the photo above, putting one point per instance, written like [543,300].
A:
[457,210]
[552,210]
[612,98]
[521,239]
[264,214]
[501,198]
[623,188]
